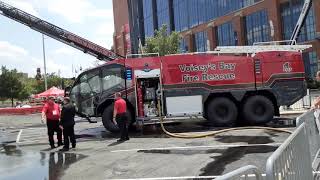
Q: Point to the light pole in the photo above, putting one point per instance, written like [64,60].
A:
[44,63]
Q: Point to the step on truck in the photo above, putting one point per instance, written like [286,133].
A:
[219,86]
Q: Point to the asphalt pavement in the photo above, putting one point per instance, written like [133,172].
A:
[24,151]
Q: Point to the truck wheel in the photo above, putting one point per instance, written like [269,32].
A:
[222,112]
[107,119]
[258,110]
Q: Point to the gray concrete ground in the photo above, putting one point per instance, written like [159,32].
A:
[148,155]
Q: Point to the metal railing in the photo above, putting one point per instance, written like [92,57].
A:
[284,42]
[304,103]
[246,173]
[312,132]
[292,159]
[142,55]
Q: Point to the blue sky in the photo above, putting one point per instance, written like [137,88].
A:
[21,47]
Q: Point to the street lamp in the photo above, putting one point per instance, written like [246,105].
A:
[44,63]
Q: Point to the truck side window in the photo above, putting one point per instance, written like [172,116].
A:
[95,83]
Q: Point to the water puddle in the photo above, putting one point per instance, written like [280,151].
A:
[246,139]
[220,161]
[230,155]
[18,164]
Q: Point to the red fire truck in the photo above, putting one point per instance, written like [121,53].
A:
[223,88]
[232,84]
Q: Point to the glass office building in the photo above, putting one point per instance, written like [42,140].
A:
[205,24]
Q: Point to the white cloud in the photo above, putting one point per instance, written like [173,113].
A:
[80,11]
[10,50]
[102,13]
[104,34]
[105,29]
[14,56]
[51,65]
[24,5]
[98,27]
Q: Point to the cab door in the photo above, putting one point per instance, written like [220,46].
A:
[86,92]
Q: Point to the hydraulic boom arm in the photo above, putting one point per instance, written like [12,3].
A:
[303,15]
[57,33]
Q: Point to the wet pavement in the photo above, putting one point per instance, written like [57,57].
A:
[146,155]
[19,164]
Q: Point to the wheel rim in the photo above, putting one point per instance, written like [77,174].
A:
[222,112]
[259,109]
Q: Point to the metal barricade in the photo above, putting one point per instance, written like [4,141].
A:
[305,103]
[313,134]
[292,159]
[246,173]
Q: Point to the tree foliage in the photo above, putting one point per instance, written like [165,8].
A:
[52,80]
[15,86]
[11,86]
[163,43]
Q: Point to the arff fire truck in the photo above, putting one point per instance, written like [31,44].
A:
[224,89]
[229,85]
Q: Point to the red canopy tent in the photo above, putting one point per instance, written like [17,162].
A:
[54,91]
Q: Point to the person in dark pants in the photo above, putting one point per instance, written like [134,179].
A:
[120,118]
[51,113]
[67,124]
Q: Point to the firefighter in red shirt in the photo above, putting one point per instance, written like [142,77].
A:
[119,116]
[51,113]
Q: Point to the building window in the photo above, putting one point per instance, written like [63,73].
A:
[290,12]
[225,34]
[257,27]
[163,13]
[148,18]
[201,41]
[190,13]
[184,46]
[181,16]
[310,63]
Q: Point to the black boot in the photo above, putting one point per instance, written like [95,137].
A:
[64,149]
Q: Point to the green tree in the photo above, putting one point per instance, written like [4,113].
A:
[163,43]
[11,86]
[28,88]
[52,80]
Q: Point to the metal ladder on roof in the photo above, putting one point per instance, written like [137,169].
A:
[256,49]
[263,47]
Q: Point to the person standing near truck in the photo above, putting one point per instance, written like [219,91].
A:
[119,116]
[67,124]
[316,104]
[51,114]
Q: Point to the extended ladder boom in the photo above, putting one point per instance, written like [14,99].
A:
[303,15]
[57,33]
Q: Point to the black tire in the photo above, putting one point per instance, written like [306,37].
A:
[258,110]
[222,111]
[107,120]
